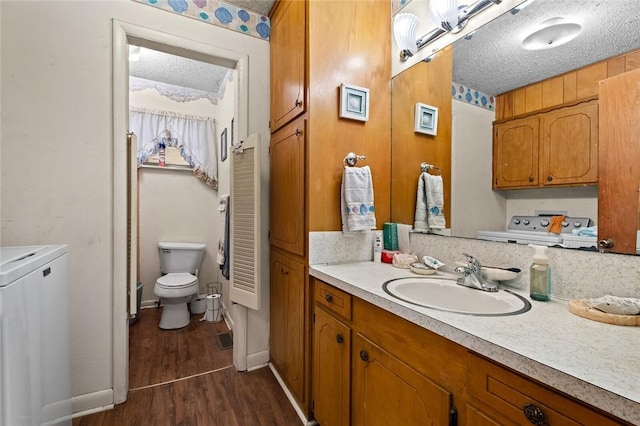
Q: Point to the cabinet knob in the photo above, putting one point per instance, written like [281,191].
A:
[605,243]
[339,338]
[549,178]
[364,356]
[298,132]
[530,178]
[328,298]
[284,271]
[298,103]
[534,414]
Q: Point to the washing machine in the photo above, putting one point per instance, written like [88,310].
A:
[35,371]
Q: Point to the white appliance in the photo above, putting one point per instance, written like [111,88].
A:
[35,370]
[533,230]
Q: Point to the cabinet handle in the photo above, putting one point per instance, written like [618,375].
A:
[549,178]
[284,271]
[328,298]
[605,243]
[298,132]
[364,356]
[298,103]
[534,414]
[530,178]
[339,338]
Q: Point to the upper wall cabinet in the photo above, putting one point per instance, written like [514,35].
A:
[556,148]
[287,63]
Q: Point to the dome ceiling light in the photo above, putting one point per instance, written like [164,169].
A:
[554,32]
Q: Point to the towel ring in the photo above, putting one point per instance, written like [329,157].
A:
[351,159]
[426,167]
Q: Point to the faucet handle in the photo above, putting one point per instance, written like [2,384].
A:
[474,263]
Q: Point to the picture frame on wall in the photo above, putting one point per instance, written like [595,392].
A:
[354,102]
[223,145]
[426,119]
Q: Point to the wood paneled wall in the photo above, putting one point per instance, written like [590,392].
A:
[349,42]
[429,83]
[565,88]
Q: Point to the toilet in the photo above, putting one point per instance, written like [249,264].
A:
[178,285]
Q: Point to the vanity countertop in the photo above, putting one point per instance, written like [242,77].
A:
[594,362]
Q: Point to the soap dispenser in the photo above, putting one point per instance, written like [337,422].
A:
[540,275]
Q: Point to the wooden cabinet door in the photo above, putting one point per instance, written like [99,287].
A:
[287,321]
[287,43]
[386,391]
[569,148]
[619,151]
[287,186]
[331,369]
[515,153]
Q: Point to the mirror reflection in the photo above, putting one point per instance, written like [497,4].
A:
[491,79]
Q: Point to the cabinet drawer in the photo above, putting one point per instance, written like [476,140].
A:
[508,393]
[336,300]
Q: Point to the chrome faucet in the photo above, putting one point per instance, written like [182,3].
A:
[472,276]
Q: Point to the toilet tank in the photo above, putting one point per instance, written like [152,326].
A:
[180,257]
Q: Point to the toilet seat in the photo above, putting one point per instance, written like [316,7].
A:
[175,281]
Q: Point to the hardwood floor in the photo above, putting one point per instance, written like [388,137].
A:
[204,388]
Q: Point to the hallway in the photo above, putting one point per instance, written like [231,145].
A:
[182,377]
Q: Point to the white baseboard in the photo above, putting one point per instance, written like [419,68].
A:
[291,399]
[94,402]
[257,360]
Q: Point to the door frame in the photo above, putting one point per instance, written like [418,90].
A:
[123,34]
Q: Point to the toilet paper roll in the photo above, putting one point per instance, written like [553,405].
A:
[214,308]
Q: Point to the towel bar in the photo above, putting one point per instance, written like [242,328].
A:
[426,167]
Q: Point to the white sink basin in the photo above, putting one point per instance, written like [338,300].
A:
[445,294]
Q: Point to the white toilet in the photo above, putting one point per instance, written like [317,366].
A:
[179,264]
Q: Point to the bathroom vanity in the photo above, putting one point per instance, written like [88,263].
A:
[408,364]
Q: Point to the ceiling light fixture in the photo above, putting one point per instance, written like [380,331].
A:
[554,32]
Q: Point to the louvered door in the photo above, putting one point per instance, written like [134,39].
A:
[245,223]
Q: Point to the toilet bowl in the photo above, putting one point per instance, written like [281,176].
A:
[175,291]
[179,263]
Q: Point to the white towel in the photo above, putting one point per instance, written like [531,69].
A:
[356,199]
[222,234]
[429,203]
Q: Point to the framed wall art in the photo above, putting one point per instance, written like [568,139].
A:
[354,102]
[426,119]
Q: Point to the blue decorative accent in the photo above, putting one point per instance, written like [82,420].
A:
[204,16]
[453,90]
[371,209]
[468,97]
[483,100]
[223,15]
[244,28]
[244,15]
[476,94]
[263,29]
[434,210]
[363,209]
[179,6]
[153,1]
[474,97]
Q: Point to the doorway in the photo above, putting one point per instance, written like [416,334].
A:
[125,34]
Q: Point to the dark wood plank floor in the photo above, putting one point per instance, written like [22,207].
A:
[158,356]
[221,396]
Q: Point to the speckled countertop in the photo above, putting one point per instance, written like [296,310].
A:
[593,362]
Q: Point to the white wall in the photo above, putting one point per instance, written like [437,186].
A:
[56,166]
[474,205]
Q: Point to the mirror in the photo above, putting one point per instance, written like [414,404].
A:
[492,62]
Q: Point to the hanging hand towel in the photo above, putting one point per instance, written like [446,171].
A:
[429,203]
[222,258]
[356,204]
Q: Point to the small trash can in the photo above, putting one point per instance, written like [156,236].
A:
[139,287]
[199,305]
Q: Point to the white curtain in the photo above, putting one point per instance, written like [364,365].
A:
[193,136]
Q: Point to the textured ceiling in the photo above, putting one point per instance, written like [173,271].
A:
[493,61]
